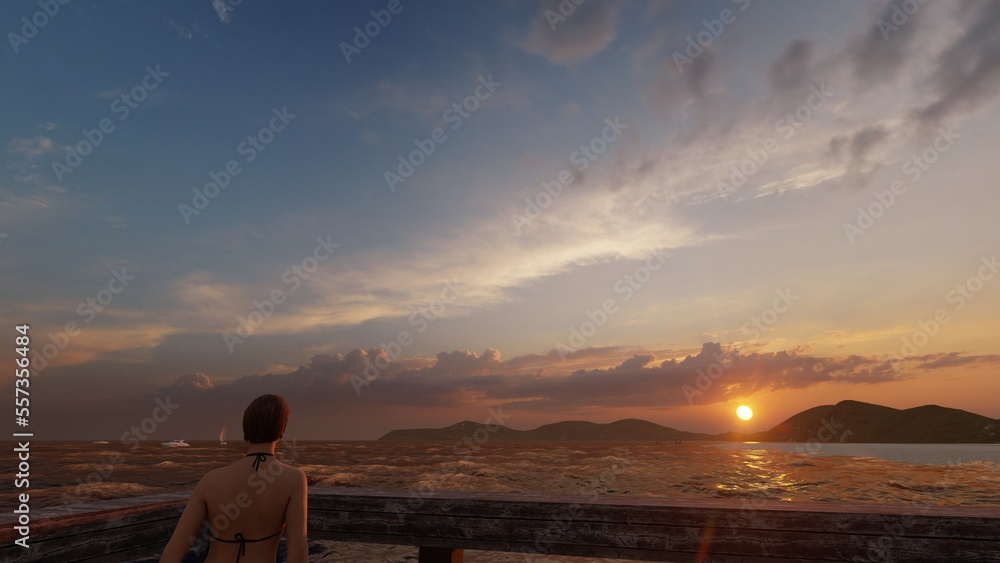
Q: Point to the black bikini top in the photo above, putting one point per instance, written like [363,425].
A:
[258,457]
[239,538]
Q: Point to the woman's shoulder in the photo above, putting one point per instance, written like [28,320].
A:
[287,460]
[294,473]
[293,478]
[213,476]
[223,473]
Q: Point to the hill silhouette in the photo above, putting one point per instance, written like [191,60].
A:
[847,421]
[631,429]
[854,421]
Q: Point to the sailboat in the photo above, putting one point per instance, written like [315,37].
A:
[222,434]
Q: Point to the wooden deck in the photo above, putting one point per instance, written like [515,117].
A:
[621,527]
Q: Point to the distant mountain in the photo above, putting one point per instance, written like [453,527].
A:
[631,429]
[854,421]
[455,432]
[847,421]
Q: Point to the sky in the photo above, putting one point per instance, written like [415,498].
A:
[400,214]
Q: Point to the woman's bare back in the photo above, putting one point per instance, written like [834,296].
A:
[252,502]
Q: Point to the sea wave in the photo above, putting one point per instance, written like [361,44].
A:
[341,480]
[683,471]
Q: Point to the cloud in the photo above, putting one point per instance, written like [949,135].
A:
[198,381]
[31,147]
[672,90]
[635,362]
[715,374]
[394,283]
[116,221]
[464,362]
[885,48]
[552,363]
[854,148]
[205,292]
[953,359]
[223,10]
[16,202]
[408,95]
[568,39]
[791,68]
[968,71]
[365,392]
[863,140]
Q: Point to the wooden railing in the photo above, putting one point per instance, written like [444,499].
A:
[619,527]
[112,530]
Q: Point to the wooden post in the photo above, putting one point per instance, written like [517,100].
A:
[439,555]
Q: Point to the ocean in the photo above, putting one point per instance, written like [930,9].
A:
[936,474]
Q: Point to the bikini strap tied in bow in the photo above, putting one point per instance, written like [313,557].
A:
[258,457]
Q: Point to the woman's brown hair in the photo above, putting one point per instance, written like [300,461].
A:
[265,419]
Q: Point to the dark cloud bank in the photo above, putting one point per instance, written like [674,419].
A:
[533,383]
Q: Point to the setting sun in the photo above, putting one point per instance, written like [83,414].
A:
[744,412]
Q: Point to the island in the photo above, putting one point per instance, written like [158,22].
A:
[847,422]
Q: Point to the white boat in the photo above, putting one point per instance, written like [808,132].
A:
[99,442]
[175,444]
[222,434]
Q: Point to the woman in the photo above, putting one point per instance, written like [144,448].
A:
[249,503]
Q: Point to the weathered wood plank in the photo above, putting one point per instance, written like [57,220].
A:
[657,529]
[94,534]
[39,514]
[945,522]
[585,537]
[639,528]
[404,496]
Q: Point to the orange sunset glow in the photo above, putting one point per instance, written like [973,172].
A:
[583,226]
